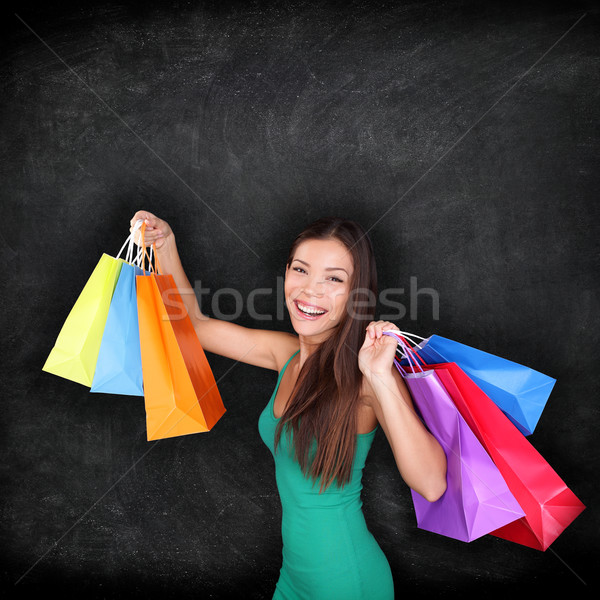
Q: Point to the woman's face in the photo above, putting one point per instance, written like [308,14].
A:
[318,281]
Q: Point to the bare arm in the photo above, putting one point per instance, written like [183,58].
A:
[259,347]
[419,456]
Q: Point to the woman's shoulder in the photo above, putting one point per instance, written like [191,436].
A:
[284,347]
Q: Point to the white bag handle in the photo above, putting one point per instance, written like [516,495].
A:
[405,352]
[138,259]
[129,243]
[404,333]
[410,360]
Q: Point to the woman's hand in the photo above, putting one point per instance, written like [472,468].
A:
[376,357]
[157,231]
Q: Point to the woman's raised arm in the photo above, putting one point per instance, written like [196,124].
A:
[419,456]
[259,347]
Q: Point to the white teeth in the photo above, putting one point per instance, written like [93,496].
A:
[310,311]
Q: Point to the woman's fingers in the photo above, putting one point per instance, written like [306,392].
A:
[152,231]
[376,328]
[140,214]
[150,219]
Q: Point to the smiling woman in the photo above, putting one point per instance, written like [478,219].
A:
[336,383]
[326,261]
[305,278]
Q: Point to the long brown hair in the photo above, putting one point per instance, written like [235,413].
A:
[322,408]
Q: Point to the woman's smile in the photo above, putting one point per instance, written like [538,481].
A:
[309,311]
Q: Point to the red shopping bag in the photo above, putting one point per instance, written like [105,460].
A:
[549,505]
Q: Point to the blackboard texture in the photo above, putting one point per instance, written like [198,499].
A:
[463,135]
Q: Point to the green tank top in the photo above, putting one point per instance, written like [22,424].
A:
[328,551]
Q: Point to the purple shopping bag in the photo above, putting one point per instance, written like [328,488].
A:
[477,500]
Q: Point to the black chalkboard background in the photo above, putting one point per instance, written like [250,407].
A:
[462,134]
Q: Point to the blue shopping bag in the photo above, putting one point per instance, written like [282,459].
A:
[119,364]
[520,392]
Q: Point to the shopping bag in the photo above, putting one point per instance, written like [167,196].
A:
[549,505]
[520,392]
[75,351]
[180,393]
[477,499]
[119,365]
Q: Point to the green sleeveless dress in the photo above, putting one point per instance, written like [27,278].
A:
[328,551]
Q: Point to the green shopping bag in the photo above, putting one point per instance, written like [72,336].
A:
[77,346]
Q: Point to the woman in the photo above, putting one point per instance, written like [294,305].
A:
[337,383]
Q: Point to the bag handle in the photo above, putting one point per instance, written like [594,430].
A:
[405,334]
[415,353]
[406,353]
[398,365]
[137,261]
[129,243]
[156,270]
[409,351]
[405,344]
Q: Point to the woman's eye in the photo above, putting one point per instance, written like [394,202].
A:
[301,269]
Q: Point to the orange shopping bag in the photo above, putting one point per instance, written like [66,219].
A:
[180,392]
